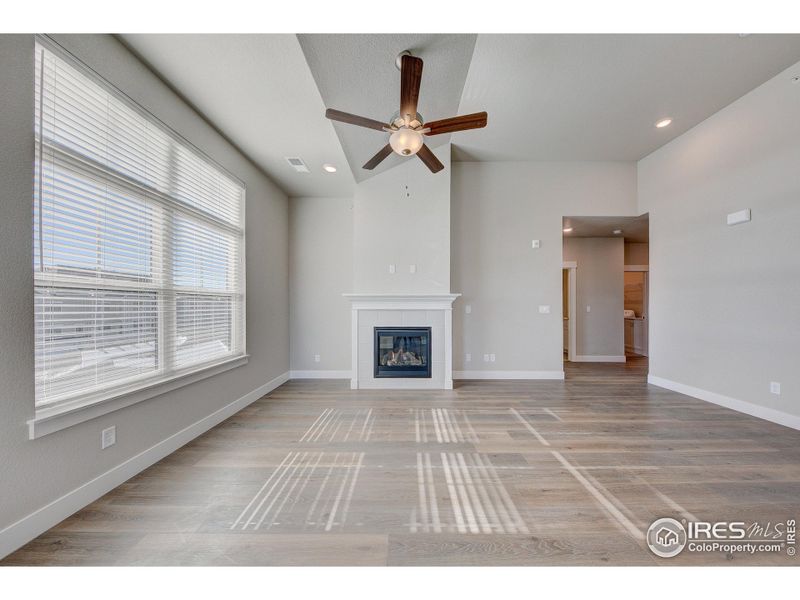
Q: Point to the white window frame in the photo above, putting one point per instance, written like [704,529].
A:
[48,419]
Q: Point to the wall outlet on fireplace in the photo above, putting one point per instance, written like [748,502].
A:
[316,358]
[391,269]
[412,269]
[485,358]
[491,358]
[468,309]
[468,357]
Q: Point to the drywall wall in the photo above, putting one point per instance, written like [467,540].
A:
[34,473]
[320,271]
[637,254]
[401,217]
[724,299]
[600,288]
[497,210]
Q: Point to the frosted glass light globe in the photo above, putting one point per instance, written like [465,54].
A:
[406,141]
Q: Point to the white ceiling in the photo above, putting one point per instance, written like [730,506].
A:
[258,91]
[549,97]
[357,74]
[634,229]
[597,97]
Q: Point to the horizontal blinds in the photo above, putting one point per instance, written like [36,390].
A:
[138,243]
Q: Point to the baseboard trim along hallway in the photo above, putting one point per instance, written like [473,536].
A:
[754,410]
[20,533]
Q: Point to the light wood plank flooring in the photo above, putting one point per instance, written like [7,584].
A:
[491,473]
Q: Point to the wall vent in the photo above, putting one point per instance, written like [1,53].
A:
[297,164]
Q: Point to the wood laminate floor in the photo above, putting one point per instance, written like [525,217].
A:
[492,473]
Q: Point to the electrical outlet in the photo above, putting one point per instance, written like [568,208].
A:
[316,358]
[468,309]
[468,357]
[775,387]
[108,437]
[588,308]
[491,358]
[535,244]
[391,269]
[485,358]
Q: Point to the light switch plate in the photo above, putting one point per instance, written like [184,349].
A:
[742,216]
[316,358]
[775,387]
[491,358]
[544,309]
[468,309]
[485,358]
[391,269]
[468,357]
[412,269]
[588,308]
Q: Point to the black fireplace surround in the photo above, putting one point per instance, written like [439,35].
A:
[402,352]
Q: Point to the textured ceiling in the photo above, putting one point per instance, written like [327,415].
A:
[257,90]
[597,97]
[634,229]
[357,74]
[549,97]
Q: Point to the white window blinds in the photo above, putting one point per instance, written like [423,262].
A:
[138,244]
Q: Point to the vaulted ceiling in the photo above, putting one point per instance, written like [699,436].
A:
[549,97]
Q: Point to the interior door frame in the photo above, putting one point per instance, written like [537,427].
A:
[645,301]
[572,306]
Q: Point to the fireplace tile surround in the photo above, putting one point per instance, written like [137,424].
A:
[369,311]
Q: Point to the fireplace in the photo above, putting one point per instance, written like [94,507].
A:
[403,352]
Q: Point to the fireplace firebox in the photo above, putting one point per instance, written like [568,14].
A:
[403,352]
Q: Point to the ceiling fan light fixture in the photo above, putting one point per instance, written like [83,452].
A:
[405,141]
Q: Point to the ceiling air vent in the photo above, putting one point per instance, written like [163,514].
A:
[297,164]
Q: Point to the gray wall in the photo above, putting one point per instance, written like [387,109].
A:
[402,217]
[497,209]
[321,270]
[36,472]
[724,300]
[600,285]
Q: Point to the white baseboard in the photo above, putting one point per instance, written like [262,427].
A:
[508,374]
[598,358]
[743,406]
[20,533]
[320,374]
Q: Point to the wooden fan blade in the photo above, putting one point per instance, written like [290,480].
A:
[427,156]
[337,115]
[473,121]
[410,79]
[378,158]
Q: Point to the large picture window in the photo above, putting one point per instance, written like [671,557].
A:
[138,244]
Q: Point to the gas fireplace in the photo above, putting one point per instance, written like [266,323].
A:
[403,352]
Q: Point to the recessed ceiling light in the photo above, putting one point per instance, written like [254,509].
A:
[663,122]
[329,168]
[617,231]
[567,229]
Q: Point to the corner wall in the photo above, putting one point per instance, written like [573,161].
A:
[723,299]
[36,473]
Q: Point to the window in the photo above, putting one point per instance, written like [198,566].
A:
[138,244]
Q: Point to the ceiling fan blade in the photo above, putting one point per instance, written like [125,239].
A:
[410,79]
[378,158]
[473,121]
[338,115]
[427,156]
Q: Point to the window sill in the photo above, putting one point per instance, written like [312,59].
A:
[50,420]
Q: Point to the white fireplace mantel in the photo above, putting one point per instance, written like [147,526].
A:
[413,310]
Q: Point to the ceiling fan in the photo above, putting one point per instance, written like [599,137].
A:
[406,126]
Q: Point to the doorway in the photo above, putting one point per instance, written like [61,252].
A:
[568,309]
[636,309]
